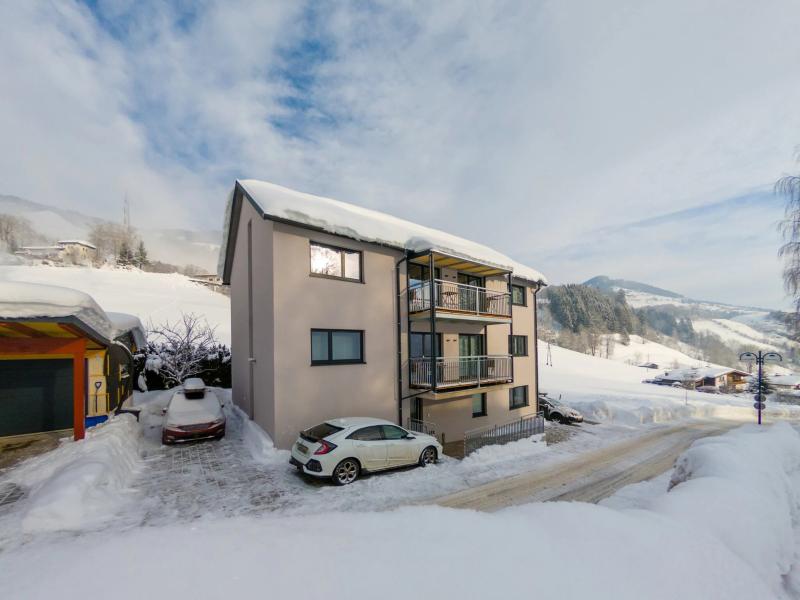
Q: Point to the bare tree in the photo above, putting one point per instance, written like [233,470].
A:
[17,231]
[179,349]
[789,186]
[109,238]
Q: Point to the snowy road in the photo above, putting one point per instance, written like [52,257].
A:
[592,476]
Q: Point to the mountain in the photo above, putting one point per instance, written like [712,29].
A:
[175,246]
[606,284]
[737,326]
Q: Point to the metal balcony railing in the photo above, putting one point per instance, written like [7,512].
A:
[421,426]
[502,434]
[459,297]
[460,371]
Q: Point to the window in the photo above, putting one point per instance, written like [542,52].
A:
[319,432]
[518,397]
[478,405]
[392,432]
[518,345]
[336,346]
[421,273]
[421,345]
[339,263]
[518,295]
[367,434]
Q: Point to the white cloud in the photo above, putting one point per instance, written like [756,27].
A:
[523,125]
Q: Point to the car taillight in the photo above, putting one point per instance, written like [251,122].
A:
[325,447]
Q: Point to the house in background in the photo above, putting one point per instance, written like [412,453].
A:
[342,311]
[69,252]
[721,378]
[65,364]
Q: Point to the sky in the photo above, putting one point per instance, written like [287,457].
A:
[635,140]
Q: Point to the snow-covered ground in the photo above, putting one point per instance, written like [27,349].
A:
[153,297]
[735,333]
[641,350]
[613,392]
[727,527]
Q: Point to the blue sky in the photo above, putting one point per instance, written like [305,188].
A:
[624,138]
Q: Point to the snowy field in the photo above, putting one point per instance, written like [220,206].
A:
[611,392]
[153,297]
[640,351]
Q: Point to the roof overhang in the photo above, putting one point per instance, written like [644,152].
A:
[49,327]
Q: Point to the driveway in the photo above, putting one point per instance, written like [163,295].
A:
[591,476]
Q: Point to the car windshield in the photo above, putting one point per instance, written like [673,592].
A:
[319,432]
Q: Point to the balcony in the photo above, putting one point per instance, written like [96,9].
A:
[459,301]
[460,371]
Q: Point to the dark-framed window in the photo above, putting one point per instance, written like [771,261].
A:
[478,405]
[418,274]
[421,345]
[336,263]
[518,295]
[518,397]
[337,346]
[518,345]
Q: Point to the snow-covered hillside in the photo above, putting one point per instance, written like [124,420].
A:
[640,351]
[174,246]
[610,391]
[153,297]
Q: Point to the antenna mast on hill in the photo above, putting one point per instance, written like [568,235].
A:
[126,213]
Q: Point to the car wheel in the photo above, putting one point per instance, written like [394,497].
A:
[346,472]
[428,456]
[557,418]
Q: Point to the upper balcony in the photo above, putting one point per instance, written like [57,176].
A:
[458,301]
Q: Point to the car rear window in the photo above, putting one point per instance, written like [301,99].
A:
[319,432]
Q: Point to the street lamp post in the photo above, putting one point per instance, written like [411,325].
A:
[760,358]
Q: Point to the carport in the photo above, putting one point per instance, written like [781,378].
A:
[64,363]
[42,382]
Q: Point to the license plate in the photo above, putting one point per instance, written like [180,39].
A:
[302,448]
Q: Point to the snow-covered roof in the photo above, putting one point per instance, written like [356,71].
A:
[79,242]
[683,374]
[125,323]
[33,300]
[366,225]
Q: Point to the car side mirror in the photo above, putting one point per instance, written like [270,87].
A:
[410,437]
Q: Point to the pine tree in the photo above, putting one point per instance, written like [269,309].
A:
[140,259]
[124,255]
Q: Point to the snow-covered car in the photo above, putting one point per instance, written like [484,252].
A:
[343,449]
[559,413]
[194,412]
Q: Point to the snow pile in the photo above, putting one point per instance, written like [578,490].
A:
[367,225]
[739,488]
[724,531]
[29,300]
[256,440]
[82,484]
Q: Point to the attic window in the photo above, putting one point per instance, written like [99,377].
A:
[337,263]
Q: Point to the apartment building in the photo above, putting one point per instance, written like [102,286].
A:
[343,311]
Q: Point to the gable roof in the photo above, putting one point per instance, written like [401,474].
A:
[340,218]
[698,373]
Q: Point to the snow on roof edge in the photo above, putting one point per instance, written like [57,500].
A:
[363,224]
[20,300]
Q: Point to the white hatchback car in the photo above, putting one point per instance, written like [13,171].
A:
[342,449]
